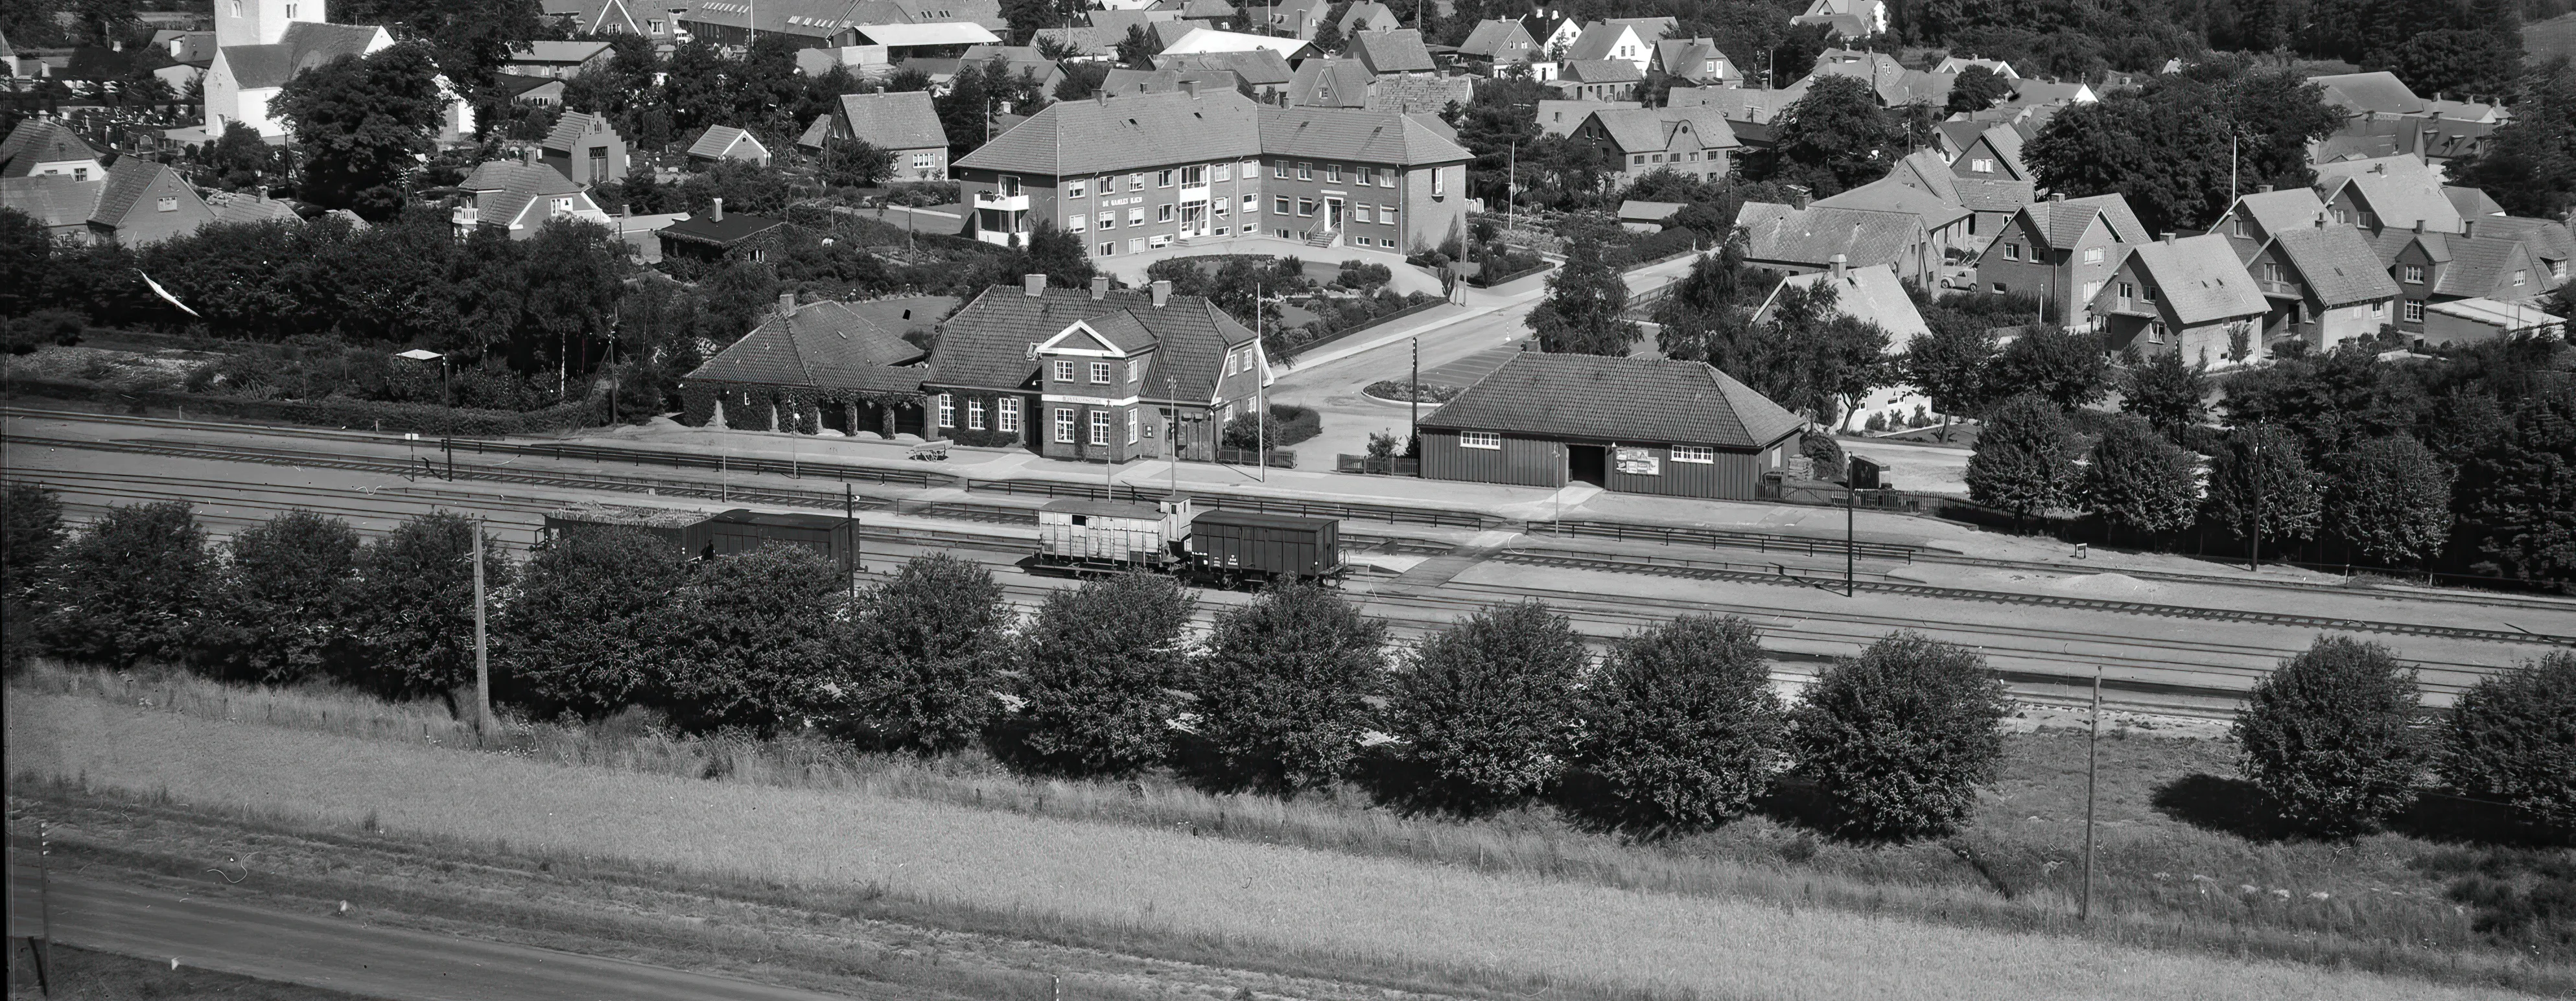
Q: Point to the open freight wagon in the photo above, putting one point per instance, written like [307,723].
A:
[740,530]
[1217,547]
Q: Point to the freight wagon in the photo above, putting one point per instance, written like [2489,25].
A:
[1236,547]
[1222,548]
[742,530]
[1109,536]
[669,526]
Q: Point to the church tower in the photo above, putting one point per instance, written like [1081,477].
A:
[261,22]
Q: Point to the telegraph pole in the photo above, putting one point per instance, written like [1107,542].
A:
[482,658]
[2254,532]
[1416,395]
[1851,508]
[850,517]
[2092,757]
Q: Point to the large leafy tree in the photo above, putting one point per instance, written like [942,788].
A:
[416,605]
[2139,481]
[1480,709]
[2025,457]
[2521,491]
[1706,315]
[854,163]
[279,609]
[1098,675]
[2261,487]
[2513,737]
[132,587]
[587,631]
[2528,164]
[363,122]
[2167,393]
[2390,499]
[1954,365]
[926,653]
[755,634]
[1679,730]
[1835,137]
[1284,689]
[2331,736]
[1499,124]
[1899,738]
[2065,366]
[1976,89]
[31,534]
[471,38]
[2166,146]
[26,252]
[1809,354]
[572,282]
[1585,300]
[2457,61]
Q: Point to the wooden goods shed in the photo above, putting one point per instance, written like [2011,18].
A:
[1634,425]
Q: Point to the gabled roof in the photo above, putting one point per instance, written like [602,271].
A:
[2547,239]
[2276,211]
[2006,141]
[55,200]
[2359,93]
[1633,210]
[1997,195]
[1127,81]
[1960,64]
[1640,130]
[1926,169]
[305,45]
[1559,118]
[1870,295]
[1330,83]
[1493,39]
[503,189]
[1617,399]
[1598,41]
[1209,40]
[1600,71]
[2338,263]
[826,345]
[572,126]
[1689,58]
[894,121]
[1397,51]
[1649,29]
[132,178]
[1123,131]
[1365,136]
[719,140]
[2402,190]
[985,345]
[556,52]
[734,228]
[40,140]
[2029,91]
[1366,15]
[2481,266]
[1259,67]
[231,206]
[1888,194]
[1813,235]
[2471,202]
[2199,279]
[2064,220]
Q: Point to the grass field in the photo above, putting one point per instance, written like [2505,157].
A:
[1115,882]
[2544,40]
[82,975]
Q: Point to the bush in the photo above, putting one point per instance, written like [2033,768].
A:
[1283,690]
[926,654]
[1288,425]
[1100,663]
[280,607]
[42,327]
[1680,730]
[2025,458]
[416,601]
[2331,736]
[31,533]
[1898,739]
[1482,712]
[1363,275]
[341,412]
[2513,738]
[1396,389]
[132,588]
[1821,448]
[586,631]
[755,646]
[2138,480]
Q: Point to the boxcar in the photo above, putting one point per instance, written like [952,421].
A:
[742,530]
[1240,546]
[1114,535]
[564,524]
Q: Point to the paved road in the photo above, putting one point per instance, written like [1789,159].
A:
[344,955]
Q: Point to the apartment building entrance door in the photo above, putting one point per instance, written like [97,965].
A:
[1194,219]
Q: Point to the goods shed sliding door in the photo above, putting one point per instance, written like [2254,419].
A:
[1528,462]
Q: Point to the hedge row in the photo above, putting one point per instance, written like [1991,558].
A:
[420,418]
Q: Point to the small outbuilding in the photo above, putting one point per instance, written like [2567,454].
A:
[2472,320]
[1636,425]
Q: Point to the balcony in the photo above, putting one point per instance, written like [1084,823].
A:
[998,200]
[1193,193]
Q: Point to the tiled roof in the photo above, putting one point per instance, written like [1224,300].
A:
[1689,58]
[717,140]
[2357,93]
[2200,279]
[2064,220]
[2007,142]
[234,207]
[1558,118]
[1424,97]
[1870,295]
[1397,51]
[1617,399]
[503,188]
[1490,39]
[2480,266]
[1649,29]
[1890,195]
[305,45]
[2547,239]
[1124,131]
[1260,67]
[986,344]
[40,139]
[1843,25]
[129,182]
[1637,211]
[1126,81]
[1639,130]
[1597,42]
[569,129]
[1600,71]
[1365,136]
[2275,211]
[1926,169]
[1366,16]
[894,121]
[2338,263]
[1330,83]
[826,345]
[2029,91]
[55,200]
[556,52]
[1812,236]
[2402,190]
[2471,202]
[1995,195]
[1083,40]
[734,228]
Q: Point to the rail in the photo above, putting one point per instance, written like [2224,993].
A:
[1713,538]
[1392,514]
[790,468]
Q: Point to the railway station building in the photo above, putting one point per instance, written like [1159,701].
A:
[1634,425]
[842,366]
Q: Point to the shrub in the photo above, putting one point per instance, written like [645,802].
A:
[1680,730]
[2330,735]
[2025,458]
[279,609]
[2391,499]
[755,648]
[2513,738]
[1283,690]
[927,649]
[1288,426]
[2261,468]
[586,632]
[31,533]
[2138,480]
[416,601]
[132,588]
[1481,711]
[1097,675]
[1396,389]
[1831,463]
[1898,739]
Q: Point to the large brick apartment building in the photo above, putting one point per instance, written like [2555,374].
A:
[1135,172]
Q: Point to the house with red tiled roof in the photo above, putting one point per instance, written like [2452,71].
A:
[1634,425]
[1944,220]
[45,146]
[1788,240]
[2325,285]
[1597,79]
[845,367]
[1389,52]
[902,124]
[2061,250]
[137,202]
[517,197]
[2188,297]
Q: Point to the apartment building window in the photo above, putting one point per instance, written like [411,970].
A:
[1132,426]
[1192,177]
[1077,188]
[1695,453]
[1100,373]
[1135,369]
[1480,439]
[1332,173]
[1386,214]
[1064,425]
[2414,274]
[1305,171]
[1363,213]
[1135,182]
[1305,206]
[1251,169]
[1100,427]
[2414,311]
[1136,216]
[1279,169]
[1225,172]
[1076,223]
[974,414]
[2092,255]
[1009,418]
[1109,220]
[1162,213]
[1281,208]
[1251,204]
[947,410]
[1367,175]
[1221,207]
[1063,370]
[1163,179]
[1108,248]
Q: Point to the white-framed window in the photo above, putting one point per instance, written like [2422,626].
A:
[1109,248]
[1367,175]
[1229,363]
[1100,373]
[1439,183]
[1252,203]
[1363,241]
[947,410]
[2414,274]
[1109,220]
[1305,206]
[1162,213]
[2521,275]
[974,414]
[1100,427]
[1386,214]
[2155,331]
[236,8]
[1362,211]
[2414,310]
[1280,207]
[2127,291]
[924,161]
[1192,177]
[2378,309]
[1480,439]
[2092,255]
[1063,370]
[168,203]
[1695,453]
[1981,165]
[2236,226]
[2091,289]
[1305,171]
[1332,173]
[1136,216]
[2148,293]
[1077,188]
[1010,415]
[1251,169]
[1225,172]
[1135,369]
[1279,169]
[2012,251]
[1163,179]
[1135,427]
[1221,207]
[1064,425]
[1077,223]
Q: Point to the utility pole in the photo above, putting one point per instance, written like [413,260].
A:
[482,653]
[2092,757]
[1851,507]
[1511,180]
[2254,531]
[850,517]
[1415,392]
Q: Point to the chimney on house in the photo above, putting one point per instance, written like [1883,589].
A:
[1034,284]
[1190,87]
[1102,95]
[787,304]
[719,210]
[1162,293]
[2419,227]
[2468,227]
[2057,196]
[1837,263]
[2262,189]
[2379,168]
[1099,287]
[2166,237]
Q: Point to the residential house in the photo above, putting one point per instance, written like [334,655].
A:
[1789,240]
[1219,14]
[1139,171]
[1849,18]
[716,238]
[1944,220]
[2393,192]
[585,149]
[559,60]
[1389,52]
[1873,296]
[1598,79]
[1561,118]
[1346,83]
[1367,15]
[544,92]
[1894,84]
[1204,40]
[2028,92]
[600,18]
[1694,142]
[845,360]
[902,124]
[1634,425]
[725,142]
[2432,266]
[1697,61]
[2547,240]
[1127,81]
[1990,203]
[41,146]
[249,206]
[1994,155]
[2361,94]
[1094,374]
[1264,71]
[2250,223]
[2471,202]
[1018,62]
[2187,297]
[1956,64]
[135,203]
[1608,40]
[2325,285]
[2063,250]
[1297,19]
[1647,217]
[518,198]
[1497,44]
[1552,35]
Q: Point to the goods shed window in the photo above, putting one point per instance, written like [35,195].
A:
[1010,416]
[1480,439]
[1694,453]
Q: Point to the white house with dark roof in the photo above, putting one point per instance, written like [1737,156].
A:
[1848,18]
[261,44]
[1617,40]
[2189,297]
[517,197]
[725,142]
[903,124]
[1696,61]
[41,146]
[1367,15]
